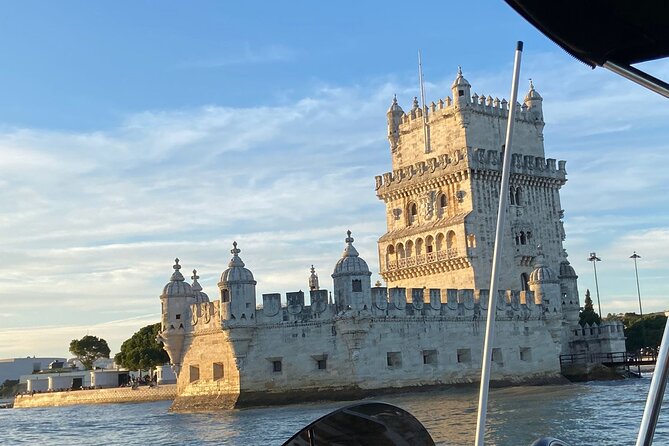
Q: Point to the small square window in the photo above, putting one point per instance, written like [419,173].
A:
[357,285]
[497,356]
[525,354]
[178,316]
[394,360]
[464,356]
[277,366]
[322,364]
[429,357]
[218,371]
[193,373]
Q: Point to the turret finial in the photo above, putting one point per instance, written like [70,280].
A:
[531,84]
[176,266]
[194,276]
[459,70]
[234,251]
[349,239]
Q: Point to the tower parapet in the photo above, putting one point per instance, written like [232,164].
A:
[238,292]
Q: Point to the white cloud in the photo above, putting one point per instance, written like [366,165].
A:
[90,222]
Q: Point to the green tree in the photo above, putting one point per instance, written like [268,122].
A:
[644,331]
[88,349]
[9,388]
[142,351]
[587,314]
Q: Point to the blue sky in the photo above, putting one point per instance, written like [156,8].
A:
[135,132]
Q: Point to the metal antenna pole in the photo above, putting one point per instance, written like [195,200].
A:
[426,128]
[638,292]
[497,255]
[594,259]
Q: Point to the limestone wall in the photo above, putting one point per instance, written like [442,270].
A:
[358,355]
[99,396]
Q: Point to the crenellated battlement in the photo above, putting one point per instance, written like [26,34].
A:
[475,159]
[477,103]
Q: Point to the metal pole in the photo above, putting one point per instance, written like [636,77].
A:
[655,393]
[638,292]
[497,255]
[426,128]
[594,259]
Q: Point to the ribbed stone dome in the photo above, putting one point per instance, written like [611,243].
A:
[460,81]
[532,94]
[198,295]
[177,287]
[542,272]
[350,262]
[395,107]
[236,271]
[566,270]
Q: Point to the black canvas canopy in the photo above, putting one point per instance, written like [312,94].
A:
[610,33]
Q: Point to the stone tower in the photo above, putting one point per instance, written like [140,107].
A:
[175,302]
[352,280]
[441,206]
[238,292]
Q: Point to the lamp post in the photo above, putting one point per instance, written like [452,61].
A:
[638,292]
[594,259]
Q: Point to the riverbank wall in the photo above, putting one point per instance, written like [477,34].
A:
[97,396]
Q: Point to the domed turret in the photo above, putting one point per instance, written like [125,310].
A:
[394,116]
[177,287]
[198,295]
[461,89]
[175,322]
[533,102]
[569,290]
[238,292]
[236,271]
[351,276]
[544,283]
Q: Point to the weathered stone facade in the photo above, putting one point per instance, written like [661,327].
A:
[426,327]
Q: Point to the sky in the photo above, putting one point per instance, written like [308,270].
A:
[134,132]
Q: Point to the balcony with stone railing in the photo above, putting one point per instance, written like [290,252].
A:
[422,259]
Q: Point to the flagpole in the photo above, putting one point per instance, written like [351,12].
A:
[497,255]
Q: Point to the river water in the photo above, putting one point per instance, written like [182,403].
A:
[602,413]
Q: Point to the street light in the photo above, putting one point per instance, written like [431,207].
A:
[638,292]
[594,259]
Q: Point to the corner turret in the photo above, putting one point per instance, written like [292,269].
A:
[175,321]
[238,292]
[198,295]
[394,116]
[544,283]
[352,280]
[462,90]
[533,102]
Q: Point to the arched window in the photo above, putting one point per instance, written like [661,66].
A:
[409,248]
[512,195]
[524,282]
[413,213]
[450,240]
[419,247]
[523,239]
[400,251]
[390,254]
[471,241]
[442,203]
[518,197]
[429,243]
[440,241]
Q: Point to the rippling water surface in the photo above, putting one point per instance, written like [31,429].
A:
[605,413]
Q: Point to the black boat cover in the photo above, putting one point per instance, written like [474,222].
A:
[598,31]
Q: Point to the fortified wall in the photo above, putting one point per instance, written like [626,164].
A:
[425,328]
